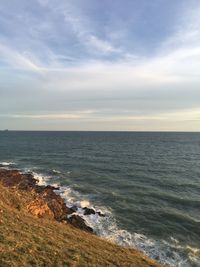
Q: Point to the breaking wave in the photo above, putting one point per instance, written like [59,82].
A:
[170,252]
[6,164]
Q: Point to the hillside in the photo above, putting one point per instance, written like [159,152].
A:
[26,240]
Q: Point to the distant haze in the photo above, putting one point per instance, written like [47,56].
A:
[100,65]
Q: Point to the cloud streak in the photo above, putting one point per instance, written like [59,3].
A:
[87,36]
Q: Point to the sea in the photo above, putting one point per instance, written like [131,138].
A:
[146,183]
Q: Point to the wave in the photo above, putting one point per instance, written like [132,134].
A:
[170,252]
[56,171]
[6,164]
[43,179]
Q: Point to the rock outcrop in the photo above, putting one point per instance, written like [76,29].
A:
[79,222]
[46,203]
[40,209]
[88,211]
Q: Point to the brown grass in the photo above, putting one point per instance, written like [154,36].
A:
[28,241]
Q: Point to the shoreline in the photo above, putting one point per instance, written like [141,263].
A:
[47,203]
[44,203]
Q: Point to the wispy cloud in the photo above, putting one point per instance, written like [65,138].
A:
[101,45]
[46,116]
[181,115]
[65,116]
[14,59]
[87,36]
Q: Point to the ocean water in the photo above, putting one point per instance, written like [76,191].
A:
[147,184]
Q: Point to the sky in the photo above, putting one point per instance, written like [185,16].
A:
[131,65]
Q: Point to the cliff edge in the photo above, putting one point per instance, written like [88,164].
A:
[37,229]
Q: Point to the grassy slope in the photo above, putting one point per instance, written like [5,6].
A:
[28,241]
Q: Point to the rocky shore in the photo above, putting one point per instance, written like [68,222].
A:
[38,229]
[46,203]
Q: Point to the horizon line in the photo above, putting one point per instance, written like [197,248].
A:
[112,131]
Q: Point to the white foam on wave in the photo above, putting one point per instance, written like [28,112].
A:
[194,254]
[84,203]
[41,179]
[9,163]
[194,250]
[169,253]
[56,171]
[161,251]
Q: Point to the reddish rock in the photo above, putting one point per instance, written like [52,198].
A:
[13,178]
[55,203]
[40,209]
[47,203]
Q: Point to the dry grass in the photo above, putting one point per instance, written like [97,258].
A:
[28,241]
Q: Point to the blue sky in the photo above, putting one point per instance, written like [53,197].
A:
[100,65]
